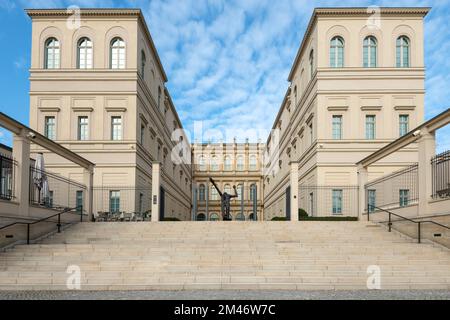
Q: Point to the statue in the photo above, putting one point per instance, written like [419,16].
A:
[225,200]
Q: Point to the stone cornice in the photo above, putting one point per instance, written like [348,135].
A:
[83,12]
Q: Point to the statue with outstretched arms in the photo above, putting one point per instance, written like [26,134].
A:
[225,201]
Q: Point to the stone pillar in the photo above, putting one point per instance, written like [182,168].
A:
[427,149]
[88,180]
[156,183]
[294,191]
[207,202]
[363,178]
[194,201]
[21,154]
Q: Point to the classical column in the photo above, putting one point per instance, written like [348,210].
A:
[88,179]
[427,149]
[207,201]
[21,154]
[363,177]
[294,191]
[194,201]
[242,199]
[156,177]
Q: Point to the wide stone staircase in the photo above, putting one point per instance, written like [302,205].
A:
[226,255]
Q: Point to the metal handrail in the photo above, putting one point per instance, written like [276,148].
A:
[28,224]
[419,223]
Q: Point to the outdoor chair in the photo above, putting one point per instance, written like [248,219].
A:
[138,217]
[126,216]
[114,216]
[102,216]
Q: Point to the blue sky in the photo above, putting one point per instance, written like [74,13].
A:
[227,61]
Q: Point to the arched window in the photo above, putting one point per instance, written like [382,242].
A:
[214,217]
[143,62]
[239,191]
[251,216]
[240,217]
[228,164]
[52,54]
[214,194]
[253,163]
[202,164]
[201,217]
[370,52]
[214,164]
[337,52]
[253,192]
[201,193]
[117,53]
[311,63]
[403,52]
[240,163]
[84,54]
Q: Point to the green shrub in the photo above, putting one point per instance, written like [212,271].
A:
[171,219]
[328,218]
[279,219]
[302,213]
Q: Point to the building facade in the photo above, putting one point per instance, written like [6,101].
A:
[99,90]
[230,164]
[357,84]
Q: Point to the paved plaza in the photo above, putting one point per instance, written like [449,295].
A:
[227,295]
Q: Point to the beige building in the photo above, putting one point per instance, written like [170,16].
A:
[231,164]
[99,90]
[357,84]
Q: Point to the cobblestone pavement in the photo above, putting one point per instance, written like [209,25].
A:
[225,295]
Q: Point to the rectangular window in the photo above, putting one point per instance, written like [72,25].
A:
[116,128]
[50,128]
[337,201]
[142,134]
[141,202]
[404,198]
[404,124]
[370,127]
[79,200]
[371,199]
[311,204]
[83,128]
[337,127]
[49,200]
[114,201]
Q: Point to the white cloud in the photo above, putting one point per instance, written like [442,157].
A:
[228,60]
[7,5]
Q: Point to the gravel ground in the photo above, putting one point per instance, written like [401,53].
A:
[225,295]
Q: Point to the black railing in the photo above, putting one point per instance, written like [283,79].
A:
[113,201]
[398,189]
[7,170]
[329,200]
[440,165]
[76,210]
[418,224]
[60,193]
